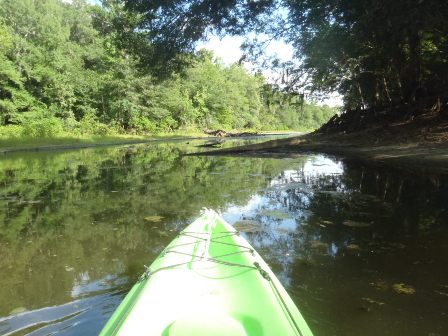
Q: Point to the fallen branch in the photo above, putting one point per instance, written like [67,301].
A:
[223,134]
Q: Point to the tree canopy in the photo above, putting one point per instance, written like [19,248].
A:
[85,69]
[375,53]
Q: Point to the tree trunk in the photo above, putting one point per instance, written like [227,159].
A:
[386,89]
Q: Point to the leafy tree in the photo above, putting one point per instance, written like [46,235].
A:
[84,69]
[13,97]
[374,53]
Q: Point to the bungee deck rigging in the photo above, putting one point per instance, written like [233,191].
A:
[209,272]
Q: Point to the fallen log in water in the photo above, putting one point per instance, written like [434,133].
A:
[258,147]
[223,134]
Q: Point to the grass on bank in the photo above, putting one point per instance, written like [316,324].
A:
[18,137]
[50,132]
[23,142]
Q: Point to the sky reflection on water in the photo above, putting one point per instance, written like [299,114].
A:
[77,227]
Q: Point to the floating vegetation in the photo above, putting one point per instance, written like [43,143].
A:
[284,230]
[290,186]
[355,224]
[154,218]
[380,284]
[318,245]
[401,288]
[162,233]
[332,193]
[247,225]
[373,302]
[364,308]
[427,223]
[441,293]
[353,248]
[276,214]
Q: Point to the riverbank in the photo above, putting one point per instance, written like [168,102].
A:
[66,143]
[418,142]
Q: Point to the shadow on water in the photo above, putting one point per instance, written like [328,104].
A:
[361,250]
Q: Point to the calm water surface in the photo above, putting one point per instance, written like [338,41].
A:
[362,251]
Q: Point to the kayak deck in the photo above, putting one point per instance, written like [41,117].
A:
[208,281]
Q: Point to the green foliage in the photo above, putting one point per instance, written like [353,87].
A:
[41,125]
[80,69]
[90,124]
[13,97]
[288,111]
[375,53]
[173,26]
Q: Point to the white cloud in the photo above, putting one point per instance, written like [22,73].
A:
[228,48]
[280,49]
[333,99]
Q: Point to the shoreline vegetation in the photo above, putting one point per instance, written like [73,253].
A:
[77,76]
[72,142]
[388,61]
[417,143]
[63,143]
[115,73]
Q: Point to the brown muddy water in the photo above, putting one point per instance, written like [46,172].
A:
[361,250]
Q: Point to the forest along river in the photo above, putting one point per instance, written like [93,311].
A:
[361,250]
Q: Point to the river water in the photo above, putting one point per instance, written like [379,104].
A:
[361,250]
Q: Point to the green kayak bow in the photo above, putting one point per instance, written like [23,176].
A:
[208,281]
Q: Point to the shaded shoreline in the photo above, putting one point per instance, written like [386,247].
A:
[79,144]
[426,156]
[415,140]
[69,146]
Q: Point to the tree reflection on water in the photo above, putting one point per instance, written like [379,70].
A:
[77,227]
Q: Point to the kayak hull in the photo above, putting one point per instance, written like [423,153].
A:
[208,281]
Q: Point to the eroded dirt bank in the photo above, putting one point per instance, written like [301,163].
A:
[416,141]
